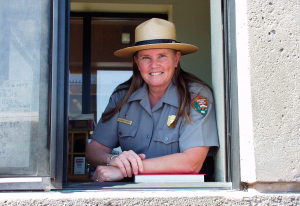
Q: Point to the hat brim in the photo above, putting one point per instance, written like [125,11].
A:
[183,48]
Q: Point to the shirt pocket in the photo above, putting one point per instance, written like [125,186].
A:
[169,140]
[126,134]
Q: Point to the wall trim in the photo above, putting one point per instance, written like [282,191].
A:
[122,8]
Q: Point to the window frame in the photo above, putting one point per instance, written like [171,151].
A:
[231,122]
[231,94]
[61,33]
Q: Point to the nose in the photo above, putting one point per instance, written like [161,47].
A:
[154,63]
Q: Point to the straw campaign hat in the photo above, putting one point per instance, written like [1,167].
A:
[156,34]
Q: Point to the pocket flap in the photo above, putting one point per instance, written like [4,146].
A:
[167,136]
[125,130]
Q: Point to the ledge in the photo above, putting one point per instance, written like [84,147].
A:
[148,197]
[149,185]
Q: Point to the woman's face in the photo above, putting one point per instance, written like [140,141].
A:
[157,66]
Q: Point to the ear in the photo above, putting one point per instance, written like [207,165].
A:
[177,58]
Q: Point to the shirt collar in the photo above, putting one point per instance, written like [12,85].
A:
[139,94]
[170,97]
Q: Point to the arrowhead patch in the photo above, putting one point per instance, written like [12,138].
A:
[200,104]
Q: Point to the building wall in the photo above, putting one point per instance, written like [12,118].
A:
[269,95]
[269,90]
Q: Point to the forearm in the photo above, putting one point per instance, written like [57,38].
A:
[169,164]
[97,154]
[189,161]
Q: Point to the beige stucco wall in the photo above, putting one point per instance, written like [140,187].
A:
[269,101]
[147,198]
[192,20]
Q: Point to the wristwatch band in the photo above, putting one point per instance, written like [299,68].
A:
[113,156]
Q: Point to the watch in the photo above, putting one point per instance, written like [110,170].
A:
[113,156]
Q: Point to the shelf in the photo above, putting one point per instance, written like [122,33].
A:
[80,130]
[78,140]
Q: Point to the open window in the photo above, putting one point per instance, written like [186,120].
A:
[102,61]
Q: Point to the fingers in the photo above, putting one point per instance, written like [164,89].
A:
[129,163]
[124,165]
[97,177]
[142,156]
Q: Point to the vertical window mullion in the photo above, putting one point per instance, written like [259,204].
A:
[86,65]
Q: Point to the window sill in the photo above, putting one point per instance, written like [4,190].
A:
[147,186]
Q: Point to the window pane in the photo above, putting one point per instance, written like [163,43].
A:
[76,43]
[24,87]
[108,70]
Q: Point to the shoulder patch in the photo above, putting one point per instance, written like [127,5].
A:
[200,104]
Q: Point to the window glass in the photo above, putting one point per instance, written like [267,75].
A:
[107,70]
[24,87]
[107,81]
[76,43]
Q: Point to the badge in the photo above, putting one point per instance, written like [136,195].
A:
[171,119]
[200,104]
[125,121]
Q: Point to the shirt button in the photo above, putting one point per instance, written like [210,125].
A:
[120,133]
[148,136]
[166,138]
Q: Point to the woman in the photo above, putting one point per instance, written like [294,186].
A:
[163,118]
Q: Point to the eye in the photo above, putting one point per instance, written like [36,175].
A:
[145,57]
[162,55]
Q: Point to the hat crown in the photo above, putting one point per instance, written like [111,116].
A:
[156,34]
[155,29]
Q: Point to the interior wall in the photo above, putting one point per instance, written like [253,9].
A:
[192,20]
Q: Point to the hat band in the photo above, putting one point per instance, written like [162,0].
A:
[155,41]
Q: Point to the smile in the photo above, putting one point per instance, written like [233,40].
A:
[155,73]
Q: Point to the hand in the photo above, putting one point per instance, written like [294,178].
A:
[107,174]
[129,163]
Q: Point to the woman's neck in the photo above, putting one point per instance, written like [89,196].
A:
[155,94]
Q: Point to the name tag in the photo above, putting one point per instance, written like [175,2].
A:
[125,121]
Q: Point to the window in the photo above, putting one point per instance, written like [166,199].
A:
[24,85]
[216,80]
[28,114]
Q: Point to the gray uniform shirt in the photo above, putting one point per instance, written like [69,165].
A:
[149,133]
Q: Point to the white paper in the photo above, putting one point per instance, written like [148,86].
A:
[107,81]
[79,165]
